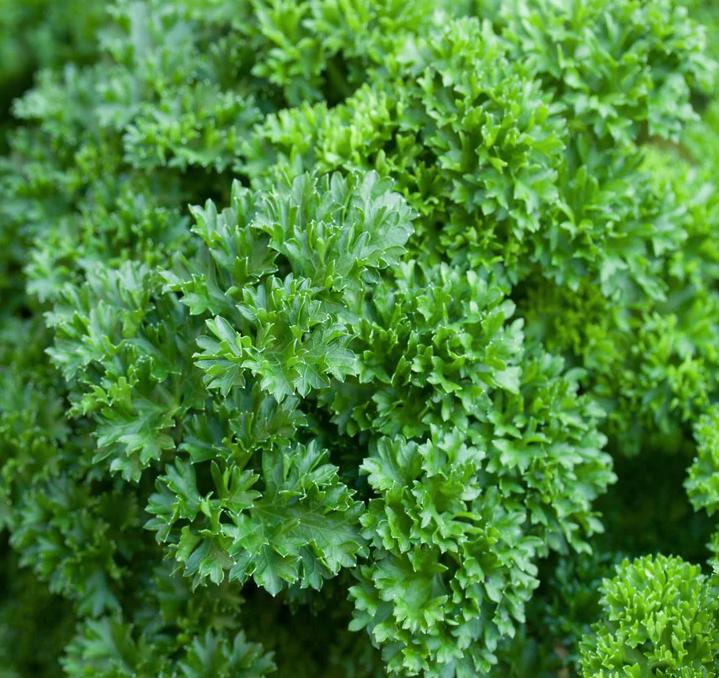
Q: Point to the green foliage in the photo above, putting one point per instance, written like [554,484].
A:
[702,483]
[620,68]
[467,135]
[327,328]
[34,625]
[661,618]
[107,648]
[43,34]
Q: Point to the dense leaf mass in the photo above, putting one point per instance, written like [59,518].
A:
[661,616]
[359,338]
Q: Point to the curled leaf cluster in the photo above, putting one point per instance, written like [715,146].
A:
[358,338]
